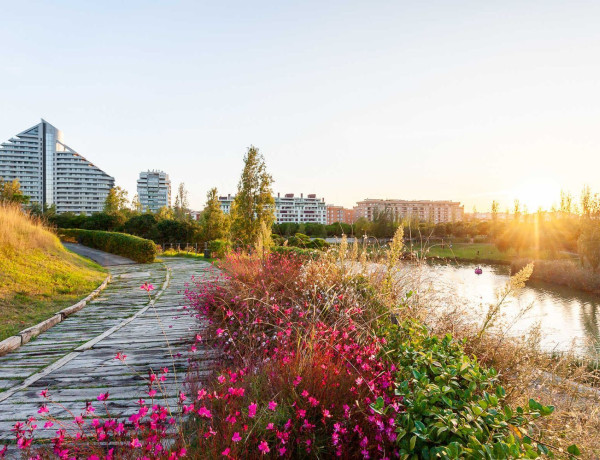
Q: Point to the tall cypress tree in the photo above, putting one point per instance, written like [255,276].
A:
[253,204]
[214,221]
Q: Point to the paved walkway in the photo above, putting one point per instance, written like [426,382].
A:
[103,258]
[75,360]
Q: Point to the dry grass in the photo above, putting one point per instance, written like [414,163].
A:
[38,275]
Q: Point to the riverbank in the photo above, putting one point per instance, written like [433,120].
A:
[562,273]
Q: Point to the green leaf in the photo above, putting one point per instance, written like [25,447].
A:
[413,441]
[574,450]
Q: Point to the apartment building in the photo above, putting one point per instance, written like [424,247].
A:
[154,190]
[339,214]
[291,208]
[52,173]
[423,210]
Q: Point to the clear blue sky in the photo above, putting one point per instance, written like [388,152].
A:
[469,101]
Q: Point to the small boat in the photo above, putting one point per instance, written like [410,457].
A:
[478,271]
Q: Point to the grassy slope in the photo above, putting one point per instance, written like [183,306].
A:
[38,276]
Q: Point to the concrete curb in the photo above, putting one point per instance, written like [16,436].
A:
[16,341]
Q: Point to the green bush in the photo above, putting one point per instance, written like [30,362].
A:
[219,248]
[454,408]
[297,251]
[132,247]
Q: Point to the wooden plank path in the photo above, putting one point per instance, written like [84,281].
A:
[75,360]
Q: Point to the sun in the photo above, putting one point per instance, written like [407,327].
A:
[537,193]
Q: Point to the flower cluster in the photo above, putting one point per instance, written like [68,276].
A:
[301,371]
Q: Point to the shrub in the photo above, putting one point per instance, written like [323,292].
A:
[296,251]
[133,247]
[453,406]
[219,248]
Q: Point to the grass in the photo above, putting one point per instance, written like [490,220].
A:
[39,276]
[189,255]
[468,251]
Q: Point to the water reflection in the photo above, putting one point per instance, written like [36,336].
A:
[567,316]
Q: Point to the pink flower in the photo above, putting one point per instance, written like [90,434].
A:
[120,356]
[252,410]
[102,396]
[236,437]
[297,381]
[204,412]
[272,405]
[135,442]
[226,452]
[147,287]
[282,451]
[264,447]
[43,410]
[44,393]
[220,332]
[48,424]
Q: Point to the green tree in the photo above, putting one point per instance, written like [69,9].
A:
[10,192]
[116,201]
[253,204]
[214,221]
[181,209]
[136,205]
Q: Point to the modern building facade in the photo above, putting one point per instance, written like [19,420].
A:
[337,214]
[291,208]
[422,210]
[52,173]
[154,190]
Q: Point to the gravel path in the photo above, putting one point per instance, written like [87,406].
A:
[103,258]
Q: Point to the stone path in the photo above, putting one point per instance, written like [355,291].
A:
[75,360]
[103,258]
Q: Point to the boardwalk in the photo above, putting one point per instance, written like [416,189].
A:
[75,360]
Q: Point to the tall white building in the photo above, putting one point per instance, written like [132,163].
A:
[291,208]
[52,173]
[154,190]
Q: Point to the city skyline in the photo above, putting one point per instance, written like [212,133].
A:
[466,102]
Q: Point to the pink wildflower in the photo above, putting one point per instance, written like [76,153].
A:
[135,442]
[204,412]
[272,405]
[44,393]
[252,410]
[236,437]
[120,356]
[264,447]
[43,410]
[147,287]
[102,396]
[226,452]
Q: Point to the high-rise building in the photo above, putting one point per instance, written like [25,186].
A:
[291,208]
[154,190]
[422,210]
[52,173]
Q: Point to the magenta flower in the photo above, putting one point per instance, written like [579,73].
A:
[220,332]
[297,381]
[43,410]
[204,412]
[44,393]
[252,410]
[135,442]
[236,437]
[102,396]
[120,356]
[272,405]
[48,424]
[226,452]
[264,447]
[147,287]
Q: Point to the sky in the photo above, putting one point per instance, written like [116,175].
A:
[465,101]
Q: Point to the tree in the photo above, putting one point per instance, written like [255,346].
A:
[588,244]
[10,192]
[214,221]
[165,213]
[136,205]
[181,208]
[254,203]
[116,201]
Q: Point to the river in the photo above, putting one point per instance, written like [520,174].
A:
[568,317]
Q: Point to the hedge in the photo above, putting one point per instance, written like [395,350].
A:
[132,247]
